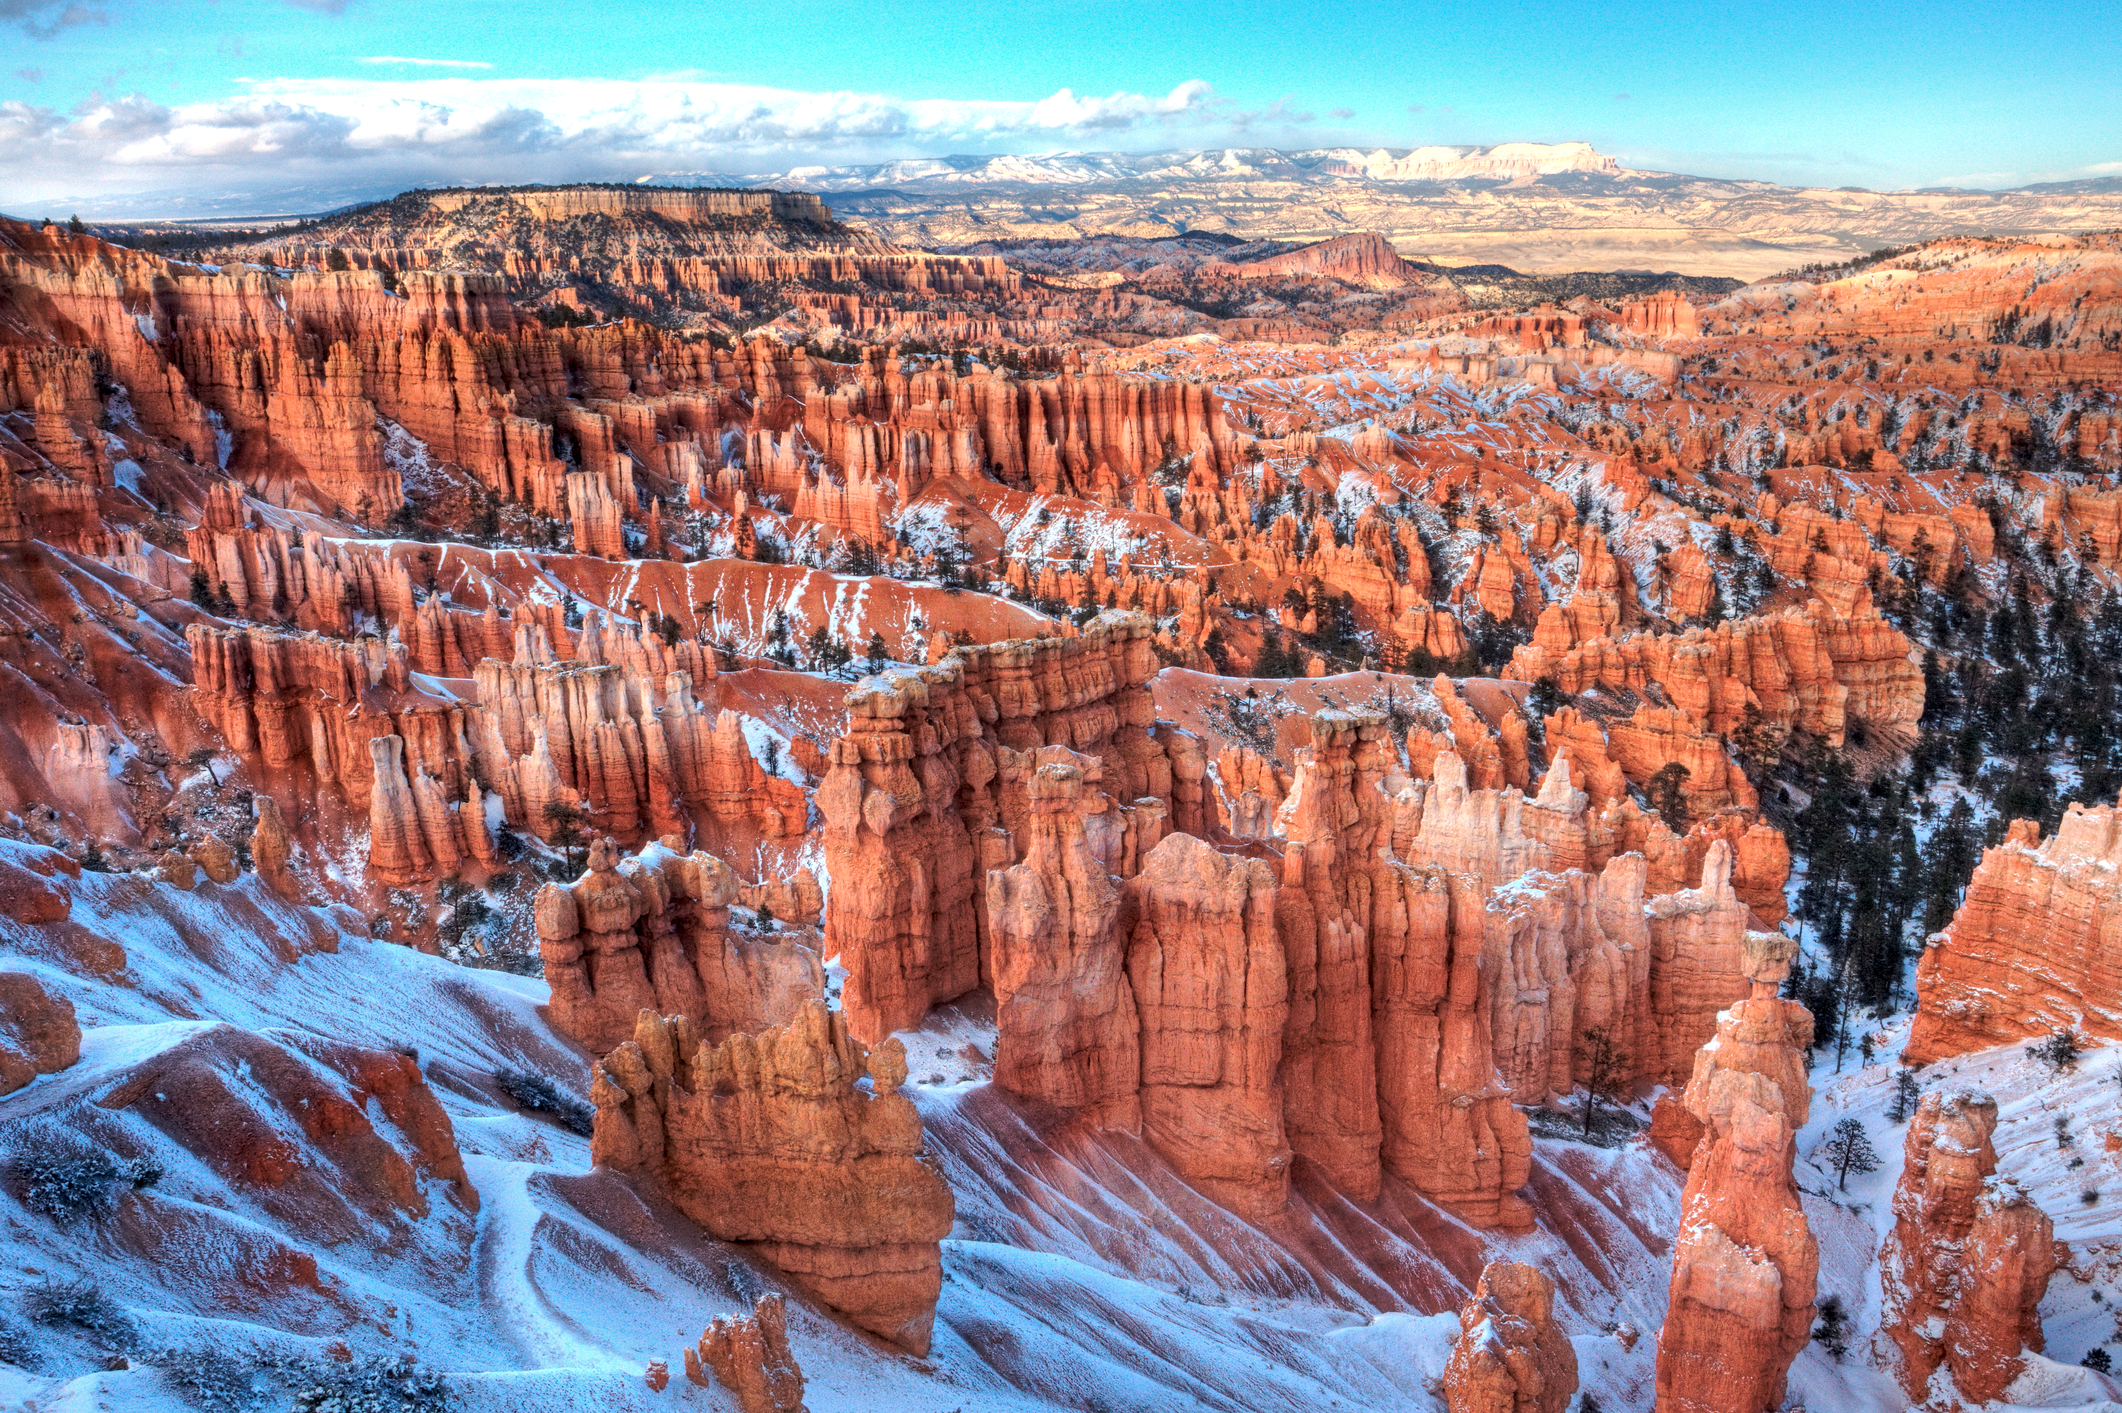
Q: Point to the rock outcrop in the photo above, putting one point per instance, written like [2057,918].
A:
[272,851]
[1067,1033]
[1744,1262]
[652,932]
[1511,1356]
[914,802]
[38,1032]
[750,1356]
[1810,670]
[1208,974]
[767,1140]
[2030,950]
[1968,1259]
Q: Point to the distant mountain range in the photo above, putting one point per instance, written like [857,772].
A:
[1539,208]
[1504,162]
[1535,207]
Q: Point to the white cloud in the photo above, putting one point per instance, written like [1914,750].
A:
[427,63]
[385,133]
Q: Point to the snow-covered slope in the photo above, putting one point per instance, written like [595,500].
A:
[224,1048]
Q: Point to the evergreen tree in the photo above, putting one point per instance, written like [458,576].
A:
[1949,861]
[1668,795]
[1906,1093]
[1848,1150]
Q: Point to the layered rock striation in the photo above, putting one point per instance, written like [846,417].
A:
[1969,1257]
[769,1141]
[1511,1355]
[652,933]
[1745,1263]
[2031,949]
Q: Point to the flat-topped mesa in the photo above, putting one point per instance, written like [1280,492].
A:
[1745,1264]
[768,1140]
[1511,1355]
[1208,973]
[2030,950]
[564,203]
[1968,1260]
[913,817]
[652,932]
[1066,1030]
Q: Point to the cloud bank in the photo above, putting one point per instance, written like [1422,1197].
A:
[372,135]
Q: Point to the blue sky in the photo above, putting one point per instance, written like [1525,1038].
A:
[110,99]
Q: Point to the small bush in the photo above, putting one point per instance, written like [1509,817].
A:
[374,1385]
[217,1381]
[2059,1052]
[539,1094]
[1833,1330]
[2099,1361]
[211,1378]
[18,1346]
[2089,1196]
[67,1184]
[80,1305]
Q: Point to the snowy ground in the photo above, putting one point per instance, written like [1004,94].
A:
[2085,1296]
[1082,1274]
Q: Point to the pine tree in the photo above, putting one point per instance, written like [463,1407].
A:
[1605,1067]
[1906,1094]
[1847,1150]
[878,654]
[567,819]
[1668,795]
[1948,864]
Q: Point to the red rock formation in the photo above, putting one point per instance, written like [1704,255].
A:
[1365,258]
[1969,1257]
[1573,955]
[246,1105]
[1066,1029]
[2029,951]
[749,1355]
[1208,975]
[1333,820]
[1449,1126]
[1744,1262]
[38,1032]
[1807,670]
[766,1140]
[1699,944]
[652,933]
[913,801]
[1511,1356]
[271,851]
